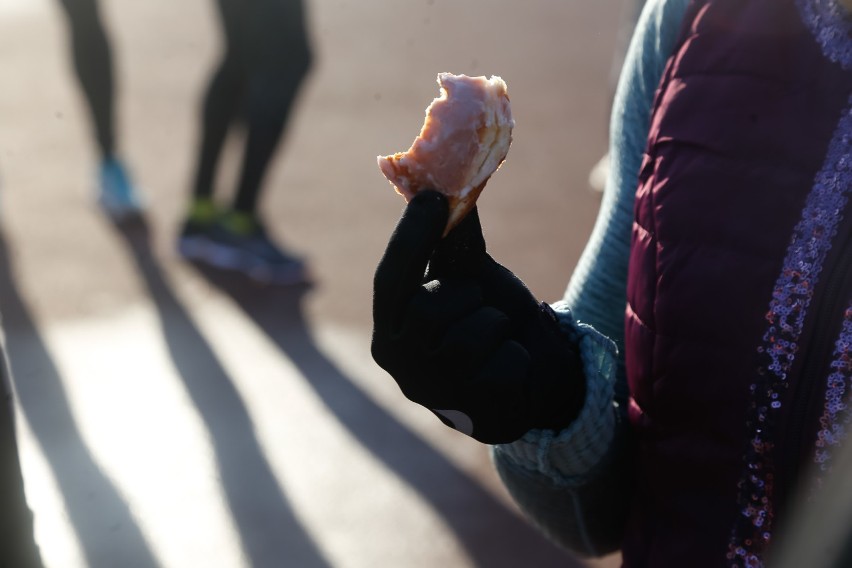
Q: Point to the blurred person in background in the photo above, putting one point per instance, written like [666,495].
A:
[630,15]
[266,59]
[18,549]
[670,405]
[93,65]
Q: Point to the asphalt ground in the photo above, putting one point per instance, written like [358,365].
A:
[171,415]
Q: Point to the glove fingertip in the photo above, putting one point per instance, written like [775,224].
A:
[456,420]
[429,199]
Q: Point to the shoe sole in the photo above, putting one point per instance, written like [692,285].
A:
[204,251]
[119,211]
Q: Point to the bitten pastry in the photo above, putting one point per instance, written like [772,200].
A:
[465,138]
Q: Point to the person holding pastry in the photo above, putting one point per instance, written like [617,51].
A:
[696,376]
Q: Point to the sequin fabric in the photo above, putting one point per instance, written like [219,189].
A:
[792,295]
[789,305]
[831,25]
[836,415]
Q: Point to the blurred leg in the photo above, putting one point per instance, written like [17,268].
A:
[93,65]
[221,105]
[266,60]
[278,59]
[223,98]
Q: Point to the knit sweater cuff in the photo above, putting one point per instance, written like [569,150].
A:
[567,456]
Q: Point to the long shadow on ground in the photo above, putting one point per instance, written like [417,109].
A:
[102,520]
[493,535]
[270,533]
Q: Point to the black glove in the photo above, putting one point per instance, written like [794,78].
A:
[464,337]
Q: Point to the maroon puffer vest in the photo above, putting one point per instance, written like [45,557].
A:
[739,318]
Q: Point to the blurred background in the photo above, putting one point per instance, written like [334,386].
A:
[172,415]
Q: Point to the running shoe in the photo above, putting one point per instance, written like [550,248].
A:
[117,195]
[195,237]
[238,241]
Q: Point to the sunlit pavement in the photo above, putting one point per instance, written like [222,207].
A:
[227,432]
[176,416]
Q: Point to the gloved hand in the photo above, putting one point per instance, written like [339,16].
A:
[464,337]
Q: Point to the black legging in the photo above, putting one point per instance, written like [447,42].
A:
[93,65]
[267,56]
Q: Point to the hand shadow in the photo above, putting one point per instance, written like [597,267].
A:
[491,533]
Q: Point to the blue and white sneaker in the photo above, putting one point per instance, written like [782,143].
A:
[116,193]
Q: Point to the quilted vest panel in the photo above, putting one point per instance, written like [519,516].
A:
[742,243]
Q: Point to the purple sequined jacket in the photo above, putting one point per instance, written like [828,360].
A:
[739,318]
[737,283]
